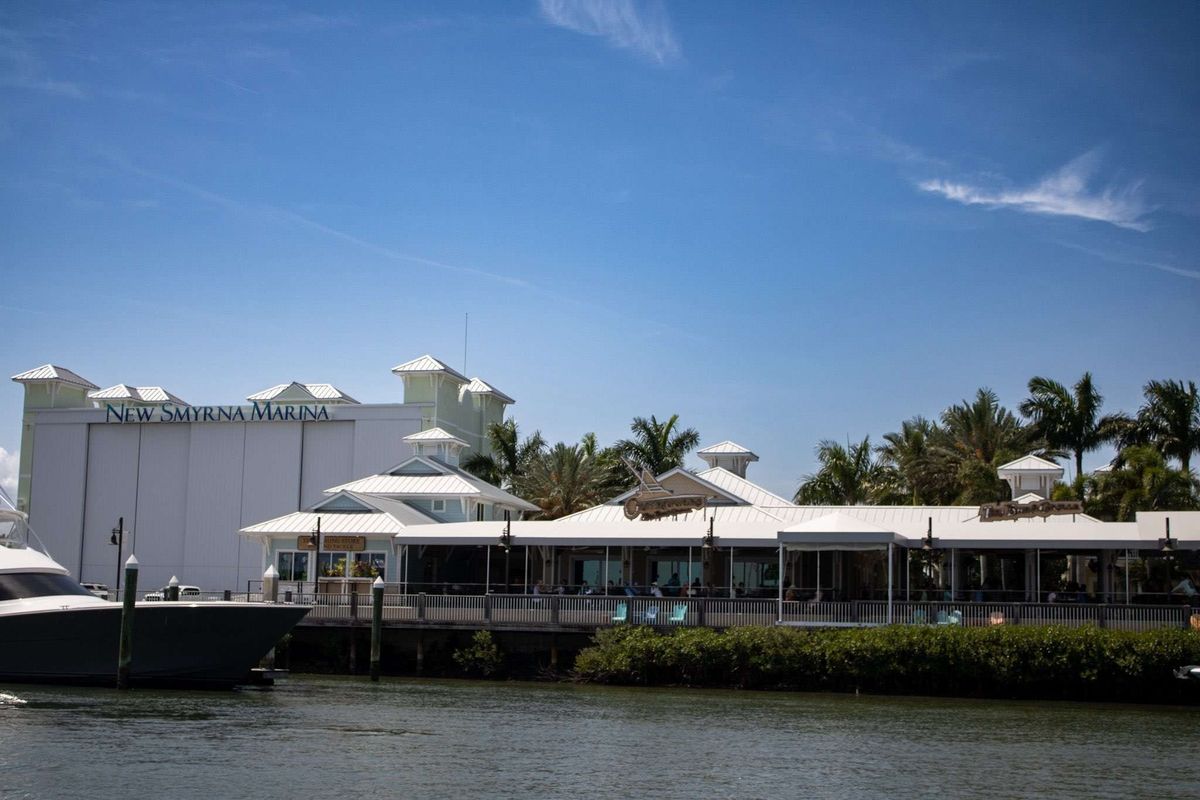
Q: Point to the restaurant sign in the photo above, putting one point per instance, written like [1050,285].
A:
[352,544]
[995,512]
[256,412]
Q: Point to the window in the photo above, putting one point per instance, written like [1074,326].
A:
[439,505]
[368,564]
[292,565]
[18,586]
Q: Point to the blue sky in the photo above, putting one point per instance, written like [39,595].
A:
[785,222]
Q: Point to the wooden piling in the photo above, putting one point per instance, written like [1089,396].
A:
[125,649]
[376,625]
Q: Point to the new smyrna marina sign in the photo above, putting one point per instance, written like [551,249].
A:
[256,412]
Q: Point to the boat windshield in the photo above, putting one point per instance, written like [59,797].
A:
[23,585]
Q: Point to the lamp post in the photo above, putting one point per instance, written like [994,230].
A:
[927,549]
[708,546]
[1167,546]
[506,543]
[118,538]
[314,539]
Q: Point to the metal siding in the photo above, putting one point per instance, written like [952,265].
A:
[112,476]
[161,503]
[57,490]
[328,458]
[214,502]
[270,485]
[379,444]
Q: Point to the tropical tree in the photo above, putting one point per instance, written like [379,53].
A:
[1069,419]
[984,430]
[910,452]
[1170,419]
[563,480]
[1144,482]
[509,458]
[848,476]
[658,446]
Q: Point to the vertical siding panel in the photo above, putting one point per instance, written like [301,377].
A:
[56,497]
[162,503]
[328,458]
[214,505]
[379,444]
[112,478]
[270,485]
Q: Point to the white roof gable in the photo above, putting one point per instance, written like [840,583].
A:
[49,372]
[1030,463]
[727,448]
[142,394]
[433,436]
[303,392]
[479,386]
[428,364]
[1029,497]
[750,492]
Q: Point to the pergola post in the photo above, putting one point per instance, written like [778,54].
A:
[605,578]
[526,569]
[779,582]
[889,607]
[487,570]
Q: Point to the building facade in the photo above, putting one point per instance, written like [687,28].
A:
[184,479]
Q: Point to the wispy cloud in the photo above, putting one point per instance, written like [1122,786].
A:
[1133,262]
[8,471]
[235,205]
[20,68]
[641,28]
[1064,193]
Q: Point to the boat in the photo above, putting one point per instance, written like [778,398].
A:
[53,630]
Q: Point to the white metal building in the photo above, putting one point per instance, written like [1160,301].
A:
[186,478]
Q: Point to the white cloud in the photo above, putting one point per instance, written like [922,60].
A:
[645,31]
[1063,193]
[1134,262]
[8,472]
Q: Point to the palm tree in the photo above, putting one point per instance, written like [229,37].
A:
[563,480]
[984,430]
[1145,482]
[907,451]
[509,458]
[658,446]
[1170,419]
[1069,420]
[848,476]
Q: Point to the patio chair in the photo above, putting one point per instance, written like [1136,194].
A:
[678,614]
[955,618]
[919,617]
[943,618]
[651,615]
[622,615]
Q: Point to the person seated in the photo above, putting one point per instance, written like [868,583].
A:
[790,594]
[630,590]
[585,588]
[816,598]
[655,591]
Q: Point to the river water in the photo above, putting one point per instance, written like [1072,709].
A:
[322,738]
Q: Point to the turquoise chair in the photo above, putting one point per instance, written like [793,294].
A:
[622,615]
[678,614]
[651,616]
[943,618]
[955,618]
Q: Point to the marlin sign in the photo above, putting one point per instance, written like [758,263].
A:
[257,412]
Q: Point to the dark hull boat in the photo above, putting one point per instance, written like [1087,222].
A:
[52,630]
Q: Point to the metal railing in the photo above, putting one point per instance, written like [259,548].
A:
[597,611]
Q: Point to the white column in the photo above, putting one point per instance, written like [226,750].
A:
[487,571]
[889,608]
[779,582]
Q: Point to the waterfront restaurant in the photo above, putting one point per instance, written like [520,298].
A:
[739,540]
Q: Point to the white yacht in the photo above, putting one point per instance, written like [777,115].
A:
[53,630]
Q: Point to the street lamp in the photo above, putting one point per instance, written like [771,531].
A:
[506,543]
[314,539]
[118,538]
[1167,544]
[709,543]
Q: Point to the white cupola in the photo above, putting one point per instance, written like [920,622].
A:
[1031,474]
[728,455]
[437,443]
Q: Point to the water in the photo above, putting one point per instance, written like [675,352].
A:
[342,737]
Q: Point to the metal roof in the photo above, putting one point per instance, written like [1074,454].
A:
[479,386]
[752,493]
[141,394]
[1030,463]
[433,436]
[49,372]
[428,364]
[450,482]
[345,522]
[316,391]
[727,448]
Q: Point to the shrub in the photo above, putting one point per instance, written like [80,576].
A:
[1003,661]
[482,658]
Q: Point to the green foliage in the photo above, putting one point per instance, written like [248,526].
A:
[1143,482]
[1069,420]
[1170,420]
[565,479]
[509,458]
[849,476]
[658,446]
[482,658]
[999,661]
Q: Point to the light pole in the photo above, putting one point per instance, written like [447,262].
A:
[118,538]
[314,539]
[506,543]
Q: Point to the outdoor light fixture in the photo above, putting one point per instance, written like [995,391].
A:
[314,539]
[927,542]
[709,542]
[1167,544]
[118,538]
[506,536]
